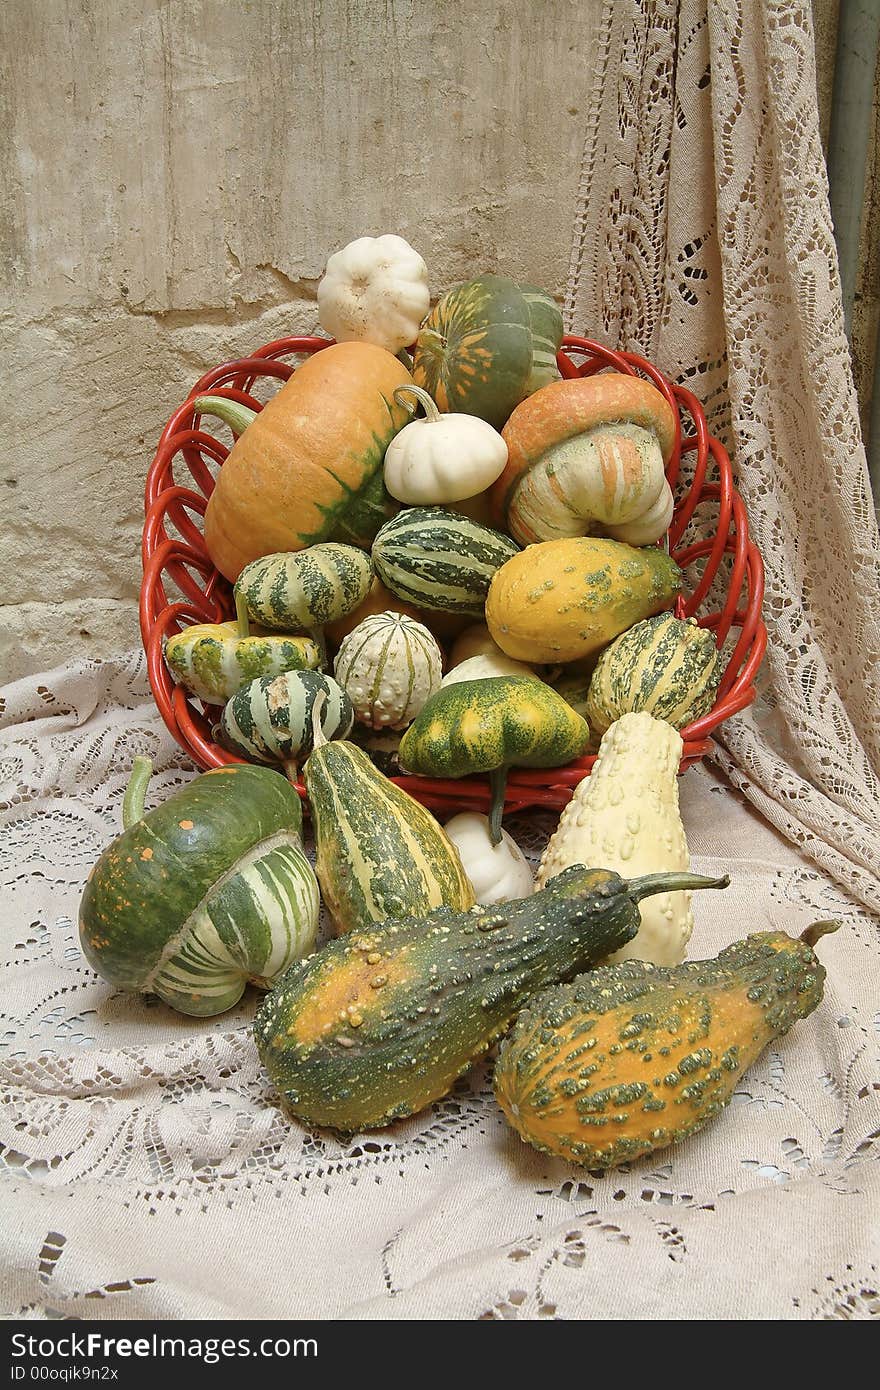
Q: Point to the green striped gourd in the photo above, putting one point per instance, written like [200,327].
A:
[208,892]
[490,726]
[486,345]
[388,666]
[668,667]
[213,660]
[300,590]
[378,853]
[380,1023]
[438,559]
[270,720]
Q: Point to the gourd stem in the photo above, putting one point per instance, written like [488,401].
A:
[498,783]
[136,791]
[675,881]
[812,933]
[291,770]
[236,416]
[427,403]
[241,613]
[318,736]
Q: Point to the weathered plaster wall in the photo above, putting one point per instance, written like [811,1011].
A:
[174,174]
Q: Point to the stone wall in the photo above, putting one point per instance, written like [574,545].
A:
[175,173]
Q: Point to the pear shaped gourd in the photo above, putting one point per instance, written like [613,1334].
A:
[634,1057]
[625,816]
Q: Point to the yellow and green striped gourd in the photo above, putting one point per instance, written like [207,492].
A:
[378,852]
[668,667]
[300,590]
[214,660]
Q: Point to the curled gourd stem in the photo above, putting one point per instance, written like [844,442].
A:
[236,416]
[812,933]
[136,791]
[432,414]
[242,615]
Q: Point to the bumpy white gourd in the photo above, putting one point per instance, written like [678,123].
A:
[480,668]
[374,290]
[499,873]
[389,666]
[625,817]
[442,458]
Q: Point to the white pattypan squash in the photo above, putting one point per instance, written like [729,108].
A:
[443,458]
[375,290]
[499,873]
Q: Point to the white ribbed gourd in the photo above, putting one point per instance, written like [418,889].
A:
[625,817]
[389,666]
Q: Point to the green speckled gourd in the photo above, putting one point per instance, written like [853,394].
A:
[301,590]
[380,1023]
[378,852]
[204,893]
[270,720]
[634,1057]
[490,726]
[214,660]
[440,560]
[666,666]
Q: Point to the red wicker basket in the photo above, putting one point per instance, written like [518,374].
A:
[206,596]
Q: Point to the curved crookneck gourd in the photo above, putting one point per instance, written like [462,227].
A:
[585,455]
[308,466]
[625,817]
[632,1057]
[203,894]
[381,1022]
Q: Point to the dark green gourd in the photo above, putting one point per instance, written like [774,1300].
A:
[382,1021]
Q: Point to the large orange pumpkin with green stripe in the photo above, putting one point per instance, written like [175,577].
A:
[308,468]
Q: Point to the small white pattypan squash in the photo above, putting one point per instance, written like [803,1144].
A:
[443,458]
[375,290]
[499,873]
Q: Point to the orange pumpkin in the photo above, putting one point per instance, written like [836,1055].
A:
[309,467]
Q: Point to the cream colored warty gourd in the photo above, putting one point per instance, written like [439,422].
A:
[625,817]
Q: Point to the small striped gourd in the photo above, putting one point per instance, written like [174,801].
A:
[486,345]
[214,660]
[298,591]
[381,1022]
[378,852]
[203,894]
[270,720]
[438,559]
[389,666]
[490,726]
[668,667]
[634,1057]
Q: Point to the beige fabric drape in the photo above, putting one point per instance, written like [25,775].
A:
[705,243]
[147,1170]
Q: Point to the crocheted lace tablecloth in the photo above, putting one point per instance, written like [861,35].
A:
[149,1172]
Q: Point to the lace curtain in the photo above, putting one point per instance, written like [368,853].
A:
[147,1168]
[704,241]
